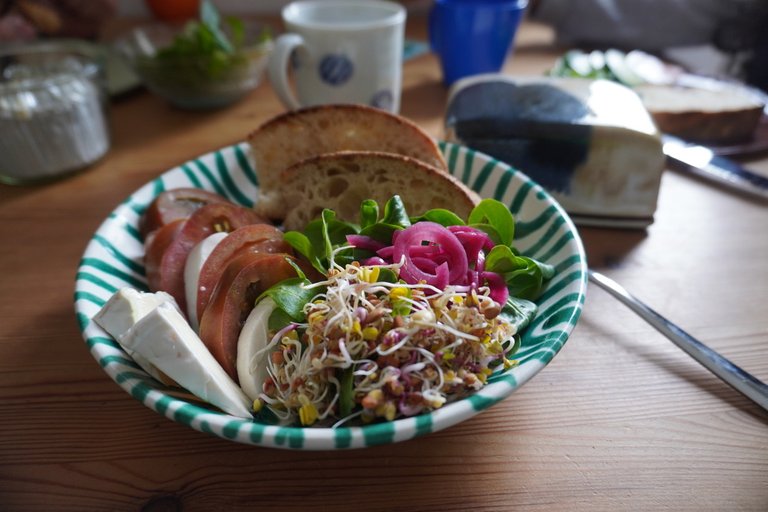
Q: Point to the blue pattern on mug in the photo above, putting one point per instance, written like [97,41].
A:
[382,99]
[336,69]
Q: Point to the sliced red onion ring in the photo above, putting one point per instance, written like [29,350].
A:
[365,242]
[473,278]
[425,264]
[438,256]
[473,232]
[414,271]
[480,263]
[386,253]
[474,242]
[427,251]
[498,287]
[413,238]
[373,261]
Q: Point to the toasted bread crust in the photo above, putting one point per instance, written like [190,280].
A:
[341,180]
[727,127]
[716,114]
[295,136]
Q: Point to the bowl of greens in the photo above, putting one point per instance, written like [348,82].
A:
[207,63]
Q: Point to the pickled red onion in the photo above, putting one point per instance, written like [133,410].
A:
[450,253]
[365,242]
[438,256]
[474,241]
[497,286]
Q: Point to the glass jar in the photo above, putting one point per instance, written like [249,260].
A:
[53,113]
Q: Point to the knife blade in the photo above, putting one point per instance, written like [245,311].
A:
[703,162]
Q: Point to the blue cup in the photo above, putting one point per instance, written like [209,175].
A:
[473,36]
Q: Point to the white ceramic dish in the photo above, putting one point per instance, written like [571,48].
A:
[114,258]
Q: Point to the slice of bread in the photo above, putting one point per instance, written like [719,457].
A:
[340,181]
[301,134]
[710,114]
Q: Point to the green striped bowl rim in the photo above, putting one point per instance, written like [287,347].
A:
[114,259]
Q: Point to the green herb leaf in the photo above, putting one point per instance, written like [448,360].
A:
[395,218]
[319,239]
[524,276]
[381,232]
[346,392]
[501,259]
[369,213]
[335,231]
[303,245]
[237,30]
[519,312]
[491,231]
[278,319]
[495,214]
[291,296]
[440,216]
[525,282]
[334,234]
[387,275]
[209,15]
[395,214]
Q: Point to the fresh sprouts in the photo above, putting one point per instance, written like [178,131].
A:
[375,349]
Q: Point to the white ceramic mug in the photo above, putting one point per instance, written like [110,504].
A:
[340,51]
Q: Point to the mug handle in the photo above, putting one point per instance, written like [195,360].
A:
[278,68]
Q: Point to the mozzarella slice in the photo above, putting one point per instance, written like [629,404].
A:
[192,268]
[165,338]
[251,363]
[121,312]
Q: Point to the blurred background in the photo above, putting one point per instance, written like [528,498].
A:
[710,37]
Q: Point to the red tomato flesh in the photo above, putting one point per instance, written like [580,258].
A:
[206,220]
[175,204]
[243,280]
[255,238]
[155,246]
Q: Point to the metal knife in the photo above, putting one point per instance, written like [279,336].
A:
[703,162]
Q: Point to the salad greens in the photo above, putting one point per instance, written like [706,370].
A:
[206,49]
[373,342]
[611,64]
[320,237]
[524,276]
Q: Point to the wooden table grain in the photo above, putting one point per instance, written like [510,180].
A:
[620,420]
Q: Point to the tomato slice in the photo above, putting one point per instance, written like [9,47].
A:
[205,221]
[255,238]
[155,246]
[174,204]
[242,281]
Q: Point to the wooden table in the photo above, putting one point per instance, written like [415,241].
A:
[620,420]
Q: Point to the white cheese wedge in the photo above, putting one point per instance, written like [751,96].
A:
[192,268]
[121,312]
[251,357]
[126,307]
[165,338]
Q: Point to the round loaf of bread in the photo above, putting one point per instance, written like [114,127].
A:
[301,134]
[341,181]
